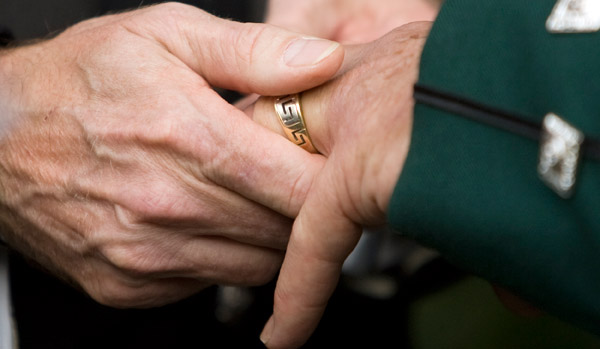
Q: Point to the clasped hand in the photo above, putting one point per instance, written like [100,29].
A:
[123,171]
[361,122]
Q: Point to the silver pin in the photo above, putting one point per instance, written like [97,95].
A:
[574,16]
[560,150]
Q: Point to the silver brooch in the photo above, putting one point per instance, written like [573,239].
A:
[574,16]
[560,150]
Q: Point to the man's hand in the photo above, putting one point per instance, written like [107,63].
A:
[349,21]
[123,171]
[361,122]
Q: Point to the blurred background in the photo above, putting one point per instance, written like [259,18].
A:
[393,294]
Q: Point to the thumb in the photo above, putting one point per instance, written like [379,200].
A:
[246,57]
[321,239]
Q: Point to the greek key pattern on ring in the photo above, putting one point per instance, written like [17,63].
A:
[290,116]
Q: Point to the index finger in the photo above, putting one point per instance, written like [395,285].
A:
[321,240]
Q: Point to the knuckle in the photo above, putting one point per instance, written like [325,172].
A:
[248,42]
[299,191]
[128,218]
[160,198]
[172,9]
[112,289]
[164,131]
[122,294]
[116,296]
[131,259]
[172,15]
[158,203]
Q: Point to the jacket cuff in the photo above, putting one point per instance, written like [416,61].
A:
[472,191]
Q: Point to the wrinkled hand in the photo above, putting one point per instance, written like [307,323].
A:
[361,122]
[123,171]
[349,21]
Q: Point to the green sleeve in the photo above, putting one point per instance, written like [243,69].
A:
[472,191]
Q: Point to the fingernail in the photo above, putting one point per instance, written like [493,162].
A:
[308,51]
[267,331]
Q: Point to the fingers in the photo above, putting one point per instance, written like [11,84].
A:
[246,158]
[321,240]
[316,105]
[169,198]
[227,262]
[247,102]
[113,292]
[245,57]
[262,111]
[130,262]
[151,266]
[314,110]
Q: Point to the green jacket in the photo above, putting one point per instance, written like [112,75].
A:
[472,190]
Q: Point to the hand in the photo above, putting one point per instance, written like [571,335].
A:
[361,122]
[349,21]
[125,173]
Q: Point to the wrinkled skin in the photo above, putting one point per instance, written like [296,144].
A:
[361,122]
[126,174]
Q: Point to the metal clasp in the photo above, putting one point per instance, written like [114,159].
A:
[560,152]
[574,16]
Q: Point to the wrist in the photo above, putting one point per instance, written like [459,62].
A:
[394,145]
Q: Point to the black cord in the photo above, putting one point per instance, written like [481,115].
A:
[500,119]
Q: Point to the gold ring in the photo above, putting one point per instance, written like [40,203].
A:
[290,116]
